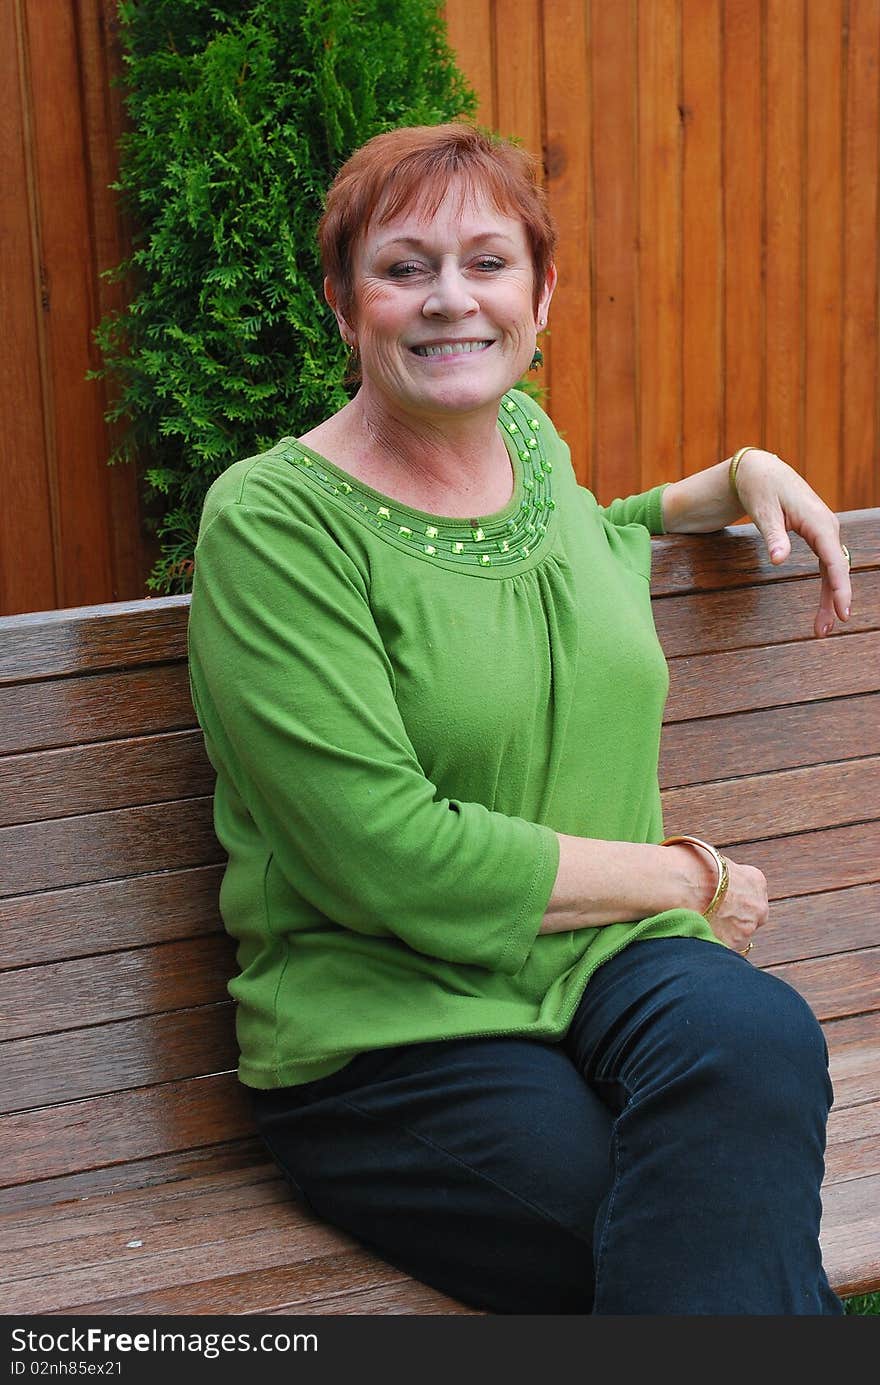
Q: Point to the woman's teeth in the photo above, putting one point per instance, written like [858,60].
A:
[451,348]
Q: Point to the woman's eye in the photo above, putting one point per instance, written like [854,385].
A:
[488,262]
[404,270]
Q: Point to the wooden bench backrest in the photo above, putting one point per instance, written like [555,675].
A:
[117,1058]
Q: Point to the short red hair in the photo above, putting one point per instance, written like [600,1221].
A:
[413,167]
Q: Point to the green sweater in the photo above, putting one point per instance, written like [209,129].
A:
[402,710]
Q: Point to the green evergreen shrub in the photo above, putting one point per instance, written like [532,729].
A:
[241,112]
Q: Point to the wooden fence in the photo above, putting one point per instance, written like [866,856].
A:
[713,168]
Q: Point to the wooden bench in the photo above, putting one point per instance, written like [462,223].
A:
[132,1180]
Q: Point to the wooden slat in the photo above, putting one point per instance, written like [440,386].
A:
[121,985]
[823,235]
[153,1173]
[27,507]
[851,1234]
[71,711]
[702,235]
[567,104]
[834,986]
[813,862]
[104,1058]
[471,36]
[354,1282]
[783,190]
[48,644]
[820,924]
[109,916]
[614,77]
[77,451]
[111,774]
[861,230]
[774,805]
[737,557]
[659,298]
[806,671]
[712,748]
[102,846]
[758,616]
[103,115]
[853,1143]
[273,1236]
[854,1053]
[743,208]
[60,1140]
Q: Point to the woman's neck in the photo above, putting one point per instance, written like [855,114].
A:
[441,463]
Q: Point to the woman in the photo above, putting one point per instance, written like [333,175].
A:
[492,1025]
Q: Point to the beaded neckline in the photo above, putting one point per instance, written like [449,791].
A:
[481,544]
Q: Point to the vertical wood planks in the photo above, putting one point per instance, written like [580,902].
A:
[103,120]
[568,144]
[742,184]
[471,34]
[69,306]
[823,270]
[659,238]
[860,312]
[702,235]
[614,51]
[27,573]
[783,192]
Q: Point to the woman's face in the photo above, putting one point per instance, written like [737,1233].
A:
[444,315]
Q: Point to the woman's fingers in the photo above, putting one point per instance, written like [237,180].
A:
[783,503]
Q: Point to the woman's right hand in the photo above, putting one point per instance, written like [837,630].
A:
[744,907]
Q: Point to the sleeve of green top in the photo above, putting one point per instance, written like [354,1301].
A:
[295,693]
[645,509]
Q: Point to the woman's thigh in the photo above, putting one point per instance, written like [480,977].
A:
[475,1165]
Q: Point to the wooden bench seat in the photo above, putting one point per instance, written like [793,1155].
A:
[133,1181]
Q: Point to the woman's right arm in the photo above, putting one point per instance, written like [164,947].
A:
[601,882]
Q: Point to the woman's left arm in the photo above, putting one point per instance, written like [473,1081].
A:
[778,501]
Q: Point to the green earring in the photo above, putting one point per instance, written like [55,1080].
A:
[537,359]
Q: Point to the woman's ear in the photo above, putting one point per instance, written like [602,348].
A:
[346,331]
[546,295]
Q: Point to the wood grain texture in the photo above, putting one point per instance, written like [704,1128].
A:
[109,916]
[111,1057]
[102,846]
[111,774]
[702,294]
[776,805]
[567,143]
[783,120]
[615,448]
[64,996]
[744,152]
[659,222]
[48,644]
[77,444]
[54,1141]
[824,444]
[28,504]
[712,748]
[64,711]
[861,232]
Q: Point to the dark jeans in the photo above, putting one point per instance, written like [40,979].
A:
[664,1158]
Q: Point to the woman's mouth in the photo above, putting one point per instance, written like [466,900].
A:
[450,348]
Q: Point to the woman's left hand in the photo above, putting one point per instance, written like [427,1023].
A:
[777,500]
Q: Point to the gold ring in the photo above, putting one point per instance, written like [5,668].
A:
[846,555]
[745,951]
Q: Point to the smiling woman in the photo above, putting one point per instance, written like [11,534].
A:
[493,1024]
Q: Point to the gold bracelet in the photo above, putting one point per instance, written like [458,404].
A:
[720,866]
[734,463]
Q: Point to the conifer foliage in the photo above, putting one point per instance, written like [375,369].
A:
[240,112]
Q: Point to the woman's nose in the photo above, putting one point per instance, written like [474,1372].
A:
[450,296]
